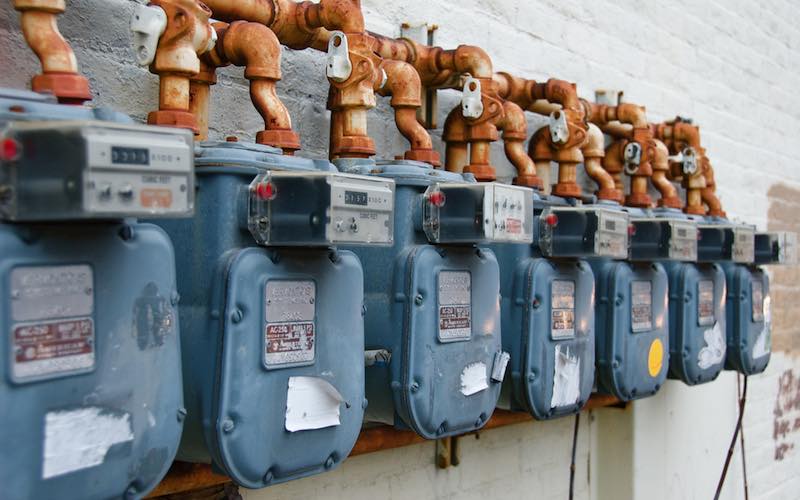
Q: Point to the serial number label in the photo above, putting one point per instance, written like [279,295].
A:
[290,323]
[641,306]
[455,306]
[43,349]
[705,303]
[757,296]
[562,301]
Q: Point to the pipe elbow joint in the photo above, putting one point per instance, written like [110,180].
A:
[564,93]
[254,46]
[403,83]
[343,15]
[187,36]
[634,114]
[467,59]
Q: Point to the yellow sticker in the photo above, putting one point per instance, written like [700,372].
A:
[655,360]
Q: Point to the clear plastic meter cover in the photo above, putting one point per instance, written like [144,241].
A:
[658,238]
[585,231]
[320,209]
[475,213]
[744,244]
[776,248]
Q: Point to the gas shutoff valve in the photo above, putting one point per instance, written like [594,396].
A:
[471,102]
[147,25]
[339,66]
[475,213]
[320,209]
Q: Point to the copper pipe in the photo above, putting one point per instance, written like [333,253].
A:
[455,138]
[515,132]
[677,135]
[542,149]
[187,35]
[404,85]
[60,75]
[593,154]
[669,195]
[612,163]
[709,192]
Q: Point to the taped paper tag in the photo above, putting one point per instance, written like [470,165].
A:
[311,403]
[763,344]
[713,353]
[474,379]
[79,439]
[566,378]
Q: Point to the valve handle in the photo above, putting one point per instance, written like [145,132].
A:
[147,25]
[471,102]
[339,66]
[632,157]
[559,130]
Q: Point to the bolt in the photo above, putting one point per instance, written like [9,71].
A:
[181,414]
[329,462]
[131,492]
[415,387]
[418,299]
[364,404]
[237,316]
[126,232]
[268,477]
[531,377]
[227,426]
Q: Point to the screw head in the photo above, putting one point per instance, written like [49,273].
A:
[227,425]
[237,316]
[418,299]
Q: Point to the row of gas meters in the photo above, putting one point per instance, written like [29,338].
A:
[225,303]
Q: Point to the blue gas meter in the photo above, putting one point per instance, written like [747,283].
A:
[91,393]
[432,320]
[631,324]
[273,337]
[548,315]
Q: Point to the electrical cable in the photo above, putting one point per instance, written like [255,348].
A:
[729,456]
[741,442]
[574,449]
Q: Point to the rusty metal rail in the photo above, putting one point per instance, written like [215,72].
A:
[184,477]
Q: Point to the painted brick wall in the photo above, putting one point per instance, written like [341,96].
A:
[733,66]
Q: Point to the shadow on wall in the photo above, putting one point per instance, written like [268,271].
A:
[784,215]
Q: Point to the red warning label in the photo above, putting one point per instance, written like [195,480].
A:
[288,343]
[56,347]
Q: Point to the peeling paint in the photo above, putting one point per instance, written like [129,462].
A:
[786,433]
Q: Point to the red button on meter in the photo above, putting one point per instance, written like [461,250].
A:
[551,219]
[266,191]
[10,149]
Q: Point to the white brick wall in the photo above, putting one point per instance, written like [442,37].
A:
[733,66]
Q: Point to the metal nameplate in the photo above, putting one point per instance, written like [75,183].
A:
[757,298]
[455,306]
[683,241]
[562,324]
[611,239]
[641,306]
[290,323]
[744,245]
[705,303]
[52,331]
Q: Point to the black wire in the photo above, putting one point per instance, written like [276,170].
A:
[574,449]
[733,441]
[741,442]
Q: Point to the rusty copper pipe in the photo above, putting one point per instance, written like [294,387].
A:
[60,75]
[257,49]
[709,192]
[593,154]
[404,85]
[669,194]
[455,138]
[612,163]
[515,132]
[187,36]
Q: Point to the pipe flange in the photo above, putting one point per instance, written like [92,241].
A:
[567,190]
[483,173]
[428,156]
[529,180]
[67,87]
[287,140]
[640,200]
[173,118]
[671,202]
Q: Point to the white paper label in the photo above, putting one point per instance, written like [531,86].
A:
[455,306]
[566,378]
[474,379]
[713,352]
[763,344]
[311,403]
[79,439]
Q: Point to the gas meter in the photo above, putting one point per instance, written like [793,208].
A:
[91,397]
[271,306]
[432,321]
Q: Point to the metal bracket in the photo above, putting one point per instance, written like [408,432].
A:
[424,33]
[559,131]
[147,25]
[339,66]
[632,157]
[447,452]
[471,102]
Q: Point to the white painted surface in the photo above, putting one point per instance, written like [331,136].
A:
[732,66]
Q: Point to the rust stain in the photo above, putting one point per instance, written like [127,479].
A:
[787,415]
